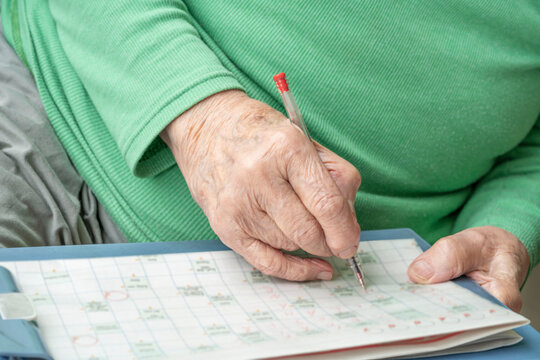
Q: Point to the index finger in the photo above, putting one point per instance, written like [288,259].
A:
[321,196]
[273,262]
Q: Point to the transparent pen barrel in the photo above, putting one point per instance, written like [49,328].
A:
[293,112]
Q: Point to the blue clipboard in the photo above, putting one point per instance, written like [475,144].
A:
[20,338]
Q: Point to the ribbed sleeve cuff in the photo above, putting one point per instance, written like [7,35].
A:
[145,153]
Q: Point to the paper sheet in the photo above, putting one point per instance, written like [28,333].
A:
[212,304]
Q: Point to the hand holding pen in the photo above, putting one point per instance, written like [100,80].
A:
[296,118]
[264,187]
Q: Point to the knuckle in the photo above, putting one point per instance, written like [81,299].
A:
[292,134]
[272,265]
[289,246]
[230,235]
[284,136]
[306,232]
[249,165]
[300,274]
[281,135]
[297,269]
[351,175]
[448,254]
[445,245]
[218,225]
[249,247]
[233,217]
[329,205]
[231,224]
[355,177]
[449,246]
[290,140]
[477,235]
[245,222]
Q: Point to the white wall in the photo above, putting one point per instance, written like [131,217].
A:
[531,298]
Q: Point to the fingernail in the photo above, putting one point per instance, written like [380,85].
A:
[325,275]
[422,270]
[350,252]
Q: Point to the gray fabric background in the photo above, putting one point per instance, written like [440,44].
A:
[43,200]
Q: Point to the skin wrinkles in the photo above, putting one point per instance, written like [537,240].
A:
[264,187]
[491,256]
[236,155]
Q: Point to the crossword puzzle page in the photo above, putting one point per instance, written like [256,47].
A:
[214,304]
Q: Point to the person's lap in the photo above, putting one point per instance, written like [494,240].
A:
[43,200]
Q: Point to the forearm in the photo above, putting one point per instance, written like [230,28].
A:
[142,63]
[509,196]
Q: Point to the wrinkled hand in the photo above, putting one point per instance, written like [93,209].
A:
[264,186]
[491,256]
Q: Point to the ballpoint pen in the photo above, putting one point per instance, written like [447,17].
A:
[296,118]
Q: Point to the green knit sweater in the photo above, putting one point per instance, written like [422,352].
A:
[435,102]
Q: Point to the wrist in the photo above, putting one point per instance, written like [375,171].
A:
[190,124]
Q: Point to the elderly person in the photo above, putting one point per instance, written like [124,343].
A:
[167,108]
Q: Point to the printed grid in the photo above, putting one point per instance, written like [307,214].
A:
[181,304]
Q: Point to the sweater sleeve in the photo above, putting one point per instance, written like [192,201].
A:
[509,196]
[142,64]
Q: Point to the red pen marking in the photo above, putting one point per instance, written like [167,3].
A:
[412,342]
[84,340]
[115,295]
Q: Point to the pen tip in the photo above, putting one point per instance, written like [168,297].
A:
[361,281]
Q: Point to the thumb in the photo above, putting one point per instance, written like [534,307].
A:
[449,258]
[345,175]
